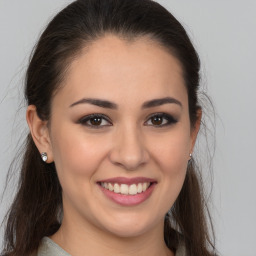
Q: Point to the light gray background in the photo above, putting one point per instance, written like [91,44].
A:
[224,32]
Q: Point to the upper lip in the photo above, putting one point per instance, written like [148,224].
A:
[128,181]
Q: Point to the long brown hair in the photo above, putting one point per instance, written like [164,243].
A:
[37,207]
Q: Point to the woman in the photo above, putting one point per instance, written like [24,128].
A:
[113,114]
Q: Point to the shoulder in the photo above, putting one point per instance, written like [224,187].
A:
[50,248]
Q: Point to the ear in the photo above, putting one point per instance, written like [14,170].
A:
[39,132]
[195,129]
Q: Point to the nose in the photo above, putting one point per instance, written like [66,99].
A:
[129,149]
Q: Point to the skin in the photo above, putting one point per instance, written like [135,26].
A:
[129,144]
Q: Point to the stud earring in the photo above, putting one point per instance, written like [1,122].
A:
[190,155]
[44,156]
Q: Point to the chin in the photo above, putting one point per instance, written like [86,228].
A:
[128,232]
[129,228]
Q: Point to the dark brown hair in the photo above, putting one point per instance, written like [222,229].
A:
[38,203]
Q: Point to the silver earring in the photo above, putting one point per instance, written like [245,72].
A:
[44,156]
[190,155]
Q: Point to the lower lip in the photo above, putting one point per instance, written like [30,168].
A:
[128,200]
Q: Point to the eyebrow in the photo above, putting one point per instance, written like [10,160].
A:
[111,105]
[159,102]
[96,102]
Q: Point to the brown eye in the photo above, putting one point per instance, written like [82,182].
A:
[157,120]
[96,121]
[160,120]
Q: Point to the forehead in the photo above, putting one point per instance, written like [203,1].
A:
[111,67]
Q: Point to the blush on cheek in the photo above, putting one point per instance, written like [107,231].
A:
[175,158]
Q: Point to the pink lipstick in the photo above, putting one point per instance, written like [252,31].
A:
[127,191]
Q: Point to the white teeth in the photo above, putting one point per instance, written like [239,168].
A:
[133,189]
[139,188]
[144,186]
[116,188]
[110,187]
[125,189]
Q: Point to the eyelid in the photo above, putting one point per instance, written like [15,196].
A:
[87,118]
[170,119]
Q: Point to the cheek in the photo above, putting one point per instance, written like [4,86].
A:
[172,152]
[76,155]
[170,155]
[174,166]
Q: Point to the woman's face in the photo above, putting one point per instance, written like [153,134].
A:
[121,137]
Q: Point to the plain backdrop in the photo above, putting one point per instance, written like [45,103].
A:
[224,33]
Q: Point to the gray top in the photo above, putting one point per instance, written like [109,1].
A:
[50,248]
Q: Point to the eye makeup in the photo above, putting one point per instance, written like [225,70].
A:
[97,120]
[160,119]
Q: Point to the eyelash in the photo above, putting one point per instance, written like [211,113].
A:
[169,120]
[84,120]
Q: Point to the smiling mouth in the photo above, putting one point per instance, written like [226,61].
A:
[126,189]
